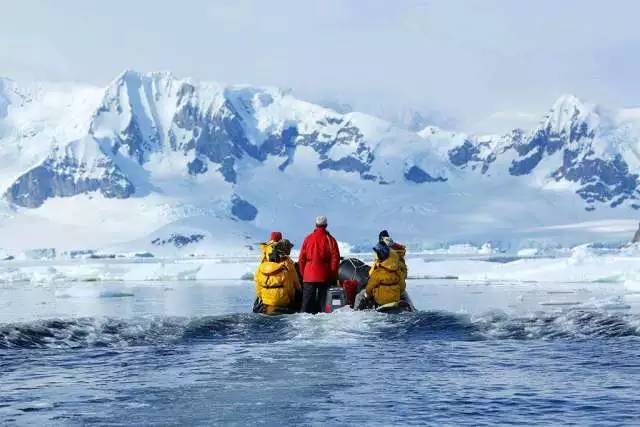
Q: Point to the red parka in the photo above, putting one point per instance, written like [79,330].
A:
[319,257]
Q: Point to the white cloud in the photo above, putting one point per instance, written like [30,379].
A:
[466,58]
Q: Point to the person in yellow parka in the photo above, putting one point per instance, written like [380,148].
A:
[276,279]
[401,250]
[267,246]
[386,277]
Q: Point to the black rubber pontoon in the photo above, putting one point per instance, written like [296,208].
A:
[354,269]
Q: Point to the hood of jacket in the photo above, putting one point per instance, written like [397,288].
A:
[392,263]
[268,268]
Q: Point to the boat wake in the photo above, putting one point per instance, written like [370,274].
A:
[341,326]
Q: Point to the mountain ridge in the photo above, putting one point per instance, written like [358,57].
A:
[149,136]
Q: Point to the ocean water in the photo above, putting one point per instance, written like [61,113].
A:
[189,353]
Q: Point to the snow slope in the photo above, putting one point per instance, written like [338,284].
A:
[158,163]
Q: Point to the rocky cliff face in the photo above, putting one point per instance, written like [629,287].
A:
[66,173]
[585,154]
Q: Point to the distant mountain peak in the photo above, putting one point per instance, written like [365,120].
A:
[566,101]
[130,73]
[571,115]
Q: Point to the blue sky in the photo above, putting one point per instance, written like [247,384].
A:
[487,64]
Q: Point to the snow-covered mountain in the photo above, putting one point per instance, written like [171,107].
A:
[158,162]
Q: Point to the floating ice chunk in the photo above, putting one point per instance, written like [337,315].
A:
[82,291]
[528,252]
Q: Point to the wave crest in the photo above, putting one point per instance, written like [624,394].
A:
[250,328]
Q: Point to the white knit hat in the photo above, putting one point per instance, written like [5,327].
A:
[321,220]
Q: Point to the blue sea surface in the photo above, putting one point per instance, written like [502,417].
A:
[189,353]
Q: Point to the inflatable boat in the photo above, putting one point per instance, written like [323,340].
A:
[353,275]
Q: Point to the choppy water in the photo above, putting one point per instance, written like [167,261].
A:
[188,353]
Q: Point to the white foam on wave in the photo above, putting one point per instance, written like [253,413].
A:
[342,326]
[90,332]
[571,323]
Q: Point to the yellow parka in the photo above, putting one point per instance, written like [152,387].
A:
[265,248]
[387,279]
[401,251]
[276,282]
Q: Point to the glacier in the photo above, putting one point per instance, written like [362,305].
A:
[157,158]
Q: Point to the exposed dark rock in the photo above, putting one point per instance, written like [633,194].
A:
[102,256]
[547,141]
[220,139]
[602,181]
[242,209]
[80,253]
[137,145]
[419,176]
[66,178]
[359,162]
[196,166]
[465,153]
[178,240]
[480,154]
[279,145]
[143,255]
[345,164]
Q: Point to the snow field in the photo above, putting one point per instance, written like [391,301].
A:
[584,264]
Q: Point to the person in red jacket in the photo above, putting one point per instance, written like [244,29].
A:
[318,262]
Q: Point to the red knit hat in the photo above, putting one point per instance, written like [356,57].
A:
[276,236]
